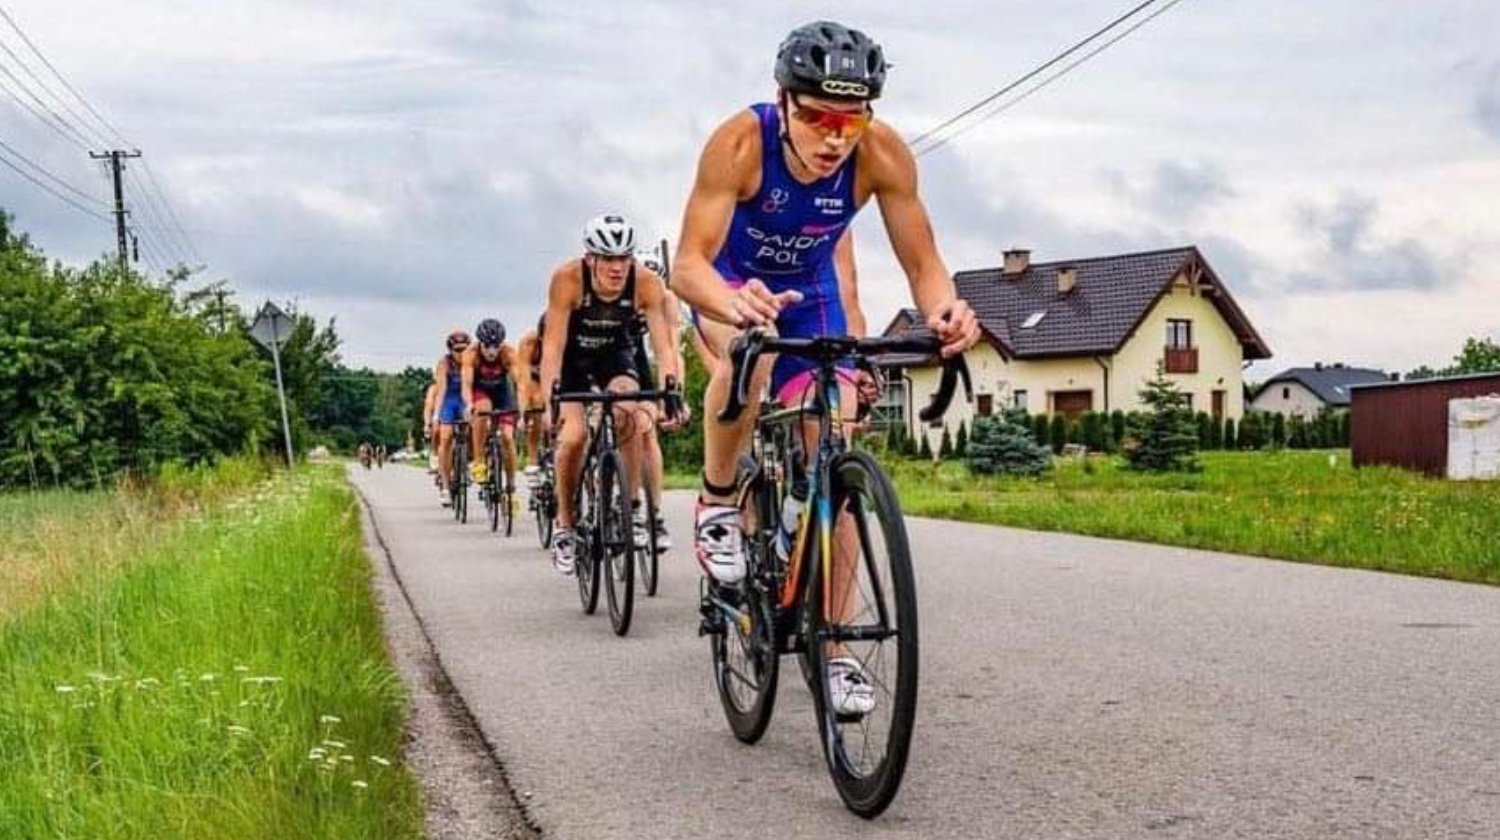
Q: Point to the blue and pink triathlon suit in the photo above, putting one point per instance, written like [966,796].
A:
[785,236]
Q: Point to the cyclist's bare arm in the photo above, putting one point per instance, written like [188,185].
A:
[848,274]
[890,170]
[523,368]
[466,374]
[440,379]
[728,172]
[652,298]
[563,296]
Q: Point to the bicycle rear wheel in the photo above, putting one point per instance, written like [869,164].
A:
[864,619]
[617,541]
[649,559]
[746,650]
[458,477]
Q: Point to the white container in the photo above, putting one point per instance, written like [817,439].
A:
[1474,438]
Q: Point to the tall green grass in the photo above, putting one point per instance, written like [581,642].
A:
[229,683]
[1309,506]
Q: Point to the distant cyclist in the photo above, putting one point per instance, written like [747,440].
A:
[588,342]
[529,389]
[487,368]
[776,189]
[448,405]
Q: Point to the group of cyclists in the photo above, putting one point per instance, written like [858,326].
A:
[765,250]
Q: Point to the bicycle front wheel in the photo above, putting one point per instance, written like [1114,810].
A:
[492,499]
[617,540]
[541,505]
[505,479]
[864,638]
[650,559]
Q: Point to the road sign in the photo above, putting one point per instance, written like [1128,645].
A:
[272,327]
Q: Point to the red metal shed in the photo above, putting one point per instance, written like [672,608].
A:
[1405,424]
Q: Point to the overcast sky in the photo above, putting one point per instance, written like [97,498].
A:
[407,167]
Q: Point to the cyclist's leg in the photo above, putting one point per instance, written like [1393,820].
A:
[508,444]
[572,437]
[480,431]
[723,442]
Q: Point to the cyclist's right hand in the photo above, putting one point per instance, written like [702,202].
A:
[755,305]
[427,430]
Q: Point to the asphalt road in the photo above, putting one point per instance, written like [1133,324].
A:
[1071,688]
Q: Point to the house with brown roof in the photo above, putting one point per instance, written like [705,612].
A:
[1086,335]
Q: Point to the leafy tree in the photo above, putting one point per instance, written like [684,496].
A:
[1480,355]
[1278,430]
[1092,430]
[1168,438]
[1117,425]
[1040,429]
[1231,435]
[1004,444]
[1251,431]
[1216,434]
[961,440]
[1205,426]
[925,453]
[945,448]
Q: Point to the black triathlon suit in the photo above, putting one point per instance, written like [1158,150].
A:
[600,338]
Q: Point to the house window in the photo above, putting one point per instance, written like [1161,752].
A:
[1179,334]
[1187,397]
[1020,399]
[984,404]
[891,408]
[1286,392]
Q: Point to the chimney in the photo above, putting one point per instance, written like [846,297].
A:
[1067,278]
[1017,260]
[1317,365]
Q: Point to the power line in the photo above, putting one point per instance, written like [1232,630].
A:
[21,63]
[44,172]
[44,185]
[161,194]
[49,121]
[86,104]
[1050,79]
[154,216]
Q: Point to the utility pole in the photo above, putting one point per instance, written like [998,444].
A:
[116,159]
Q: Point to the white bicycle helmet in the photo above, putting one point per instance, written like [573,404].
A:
[609,235]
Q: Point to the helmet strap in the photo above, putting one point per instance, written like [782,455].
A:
[786,134]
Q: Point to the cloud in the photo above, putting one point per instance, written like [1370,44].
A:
[1174,190]
[1349,254]
[1487,104]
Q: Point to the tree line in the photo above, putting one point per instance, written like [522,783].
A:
[105,372]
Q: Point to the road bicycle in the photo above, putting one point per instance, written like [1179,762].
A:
[841,594]
[498,492]
[604,530]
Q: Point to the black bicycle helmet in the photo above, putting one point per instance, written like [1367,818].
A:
[831,61]
[458,340]
[491,333]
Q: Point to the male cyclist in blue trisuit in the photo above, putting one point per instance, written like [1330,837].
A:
[777,186]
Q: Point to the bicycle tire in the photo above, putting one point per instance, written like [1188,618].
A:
[749,710]
[492,499]
[585,546]
[458,478]
[506,482]
[650,559]
[541,506]
[868,784]
[617,543]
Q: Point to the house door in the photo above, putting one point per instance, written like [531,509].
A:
[1218,405]
[1072,403]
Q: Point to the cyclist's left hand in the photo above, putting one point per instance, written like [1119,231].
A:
[865,386]
[955,326]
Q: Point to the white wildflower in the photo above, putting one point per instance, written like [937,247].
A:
[346,758]
[330,719]
[383,762]
[235,729]
[241,669]
[208,677]
[261,680]
[360,784]
[66,689]
[316,754]
[338,745]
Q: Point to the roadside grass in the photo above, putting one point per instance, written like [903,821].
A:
[222,675]
[1295,505]
[49,538]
